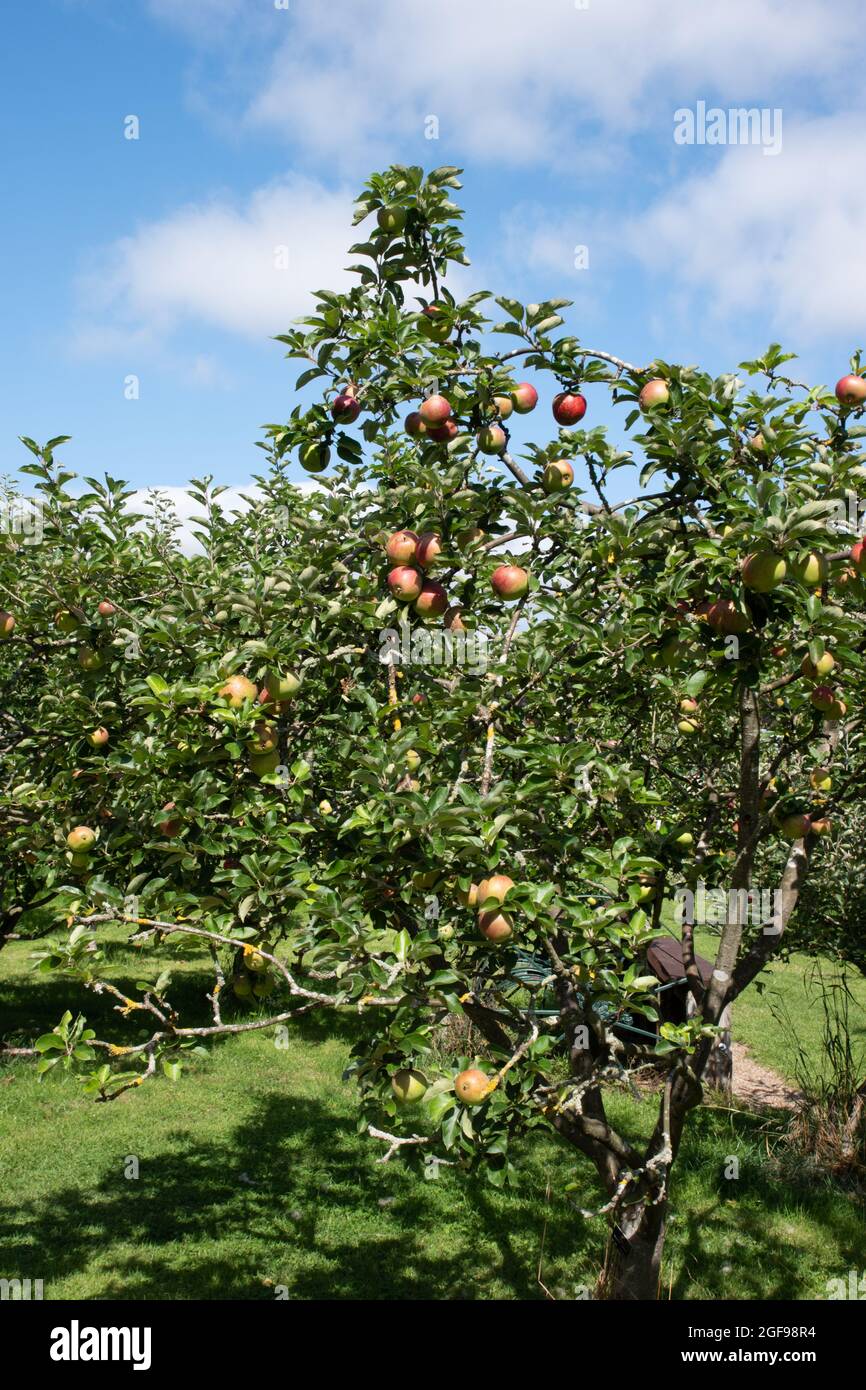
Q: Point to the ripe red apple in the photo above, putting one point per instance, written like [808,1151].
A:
[557,476]
[106,609]
[237,689]
[170,828]
[98,737]
[795,827]
[7,624]
[688,705]
[418,698]
[471,1086]
[726,618]
[314,457]
[405,583]
[509,581]
[345,408]
[823,698]
[444,433]
[810,569]
[525,398]
[432,600]
[429,547]
[764,571]
[813,670]
[858,555]
[401,547]
[81,839]
[433,326]
[408,1086]
[568,408]
[851,390]
[496,886]
[495,925]
[392,219]
[435,410]
[414,425]
[492,440]
[655,392]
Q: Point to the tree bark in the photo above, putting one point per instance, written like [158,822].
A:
[632,1263]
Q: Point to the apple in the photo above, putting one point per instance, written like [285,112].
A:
[263,985]
[810,569]
[408,1086]
[237,689]
[418,698]
[688,705]
[471,1086]
[858,555]
[263,763]
[432,600]
[837,710]
[764,571]
[444,433]
[242,986]
[433,326]
[405,583]
[821,779]
[453,620]
[655,392]
[445,933]
[492,440]
[314,457]
[794,827]
[726,618]
[98,737]
[468,897]
[392,219]
[429,547]
[345,408]
[504,406]
[170,828]
[7,624]
[80,863]
[265,738]
[495,925]
[509,581]
[254,960]
[106,609]
[413,759]
[758,443]
[414,425]
[401,547]
[568,408]
[470,535]
[687,727]
[823,698]
[325,808]
[525,398]
[278,688]
[647,887]
[822,826]
[813,670]
[685,840]
[851,390]
[557,476]
[435,410]
[65,621]
[497,886]
[88,659]
[81,838]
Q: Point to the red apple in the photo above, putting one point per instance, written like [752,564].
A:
[7,624]
[503,405]
[401,547]
[435,410]
[568,408]
[99,737]
[496,886]
[106,609]
[655,392]
[495,925]
[345,408]
[414,424]
[170,828]
[405,583]
[237,689]
[444,433]
[525,398]
[726,618]
[858,555]
[851,390]
[509,581]
[823,698]
[432,601]
[822,826]
[429,547]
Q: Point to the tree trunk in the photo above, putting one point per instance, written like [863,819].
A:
[718,1074]
[633,1259]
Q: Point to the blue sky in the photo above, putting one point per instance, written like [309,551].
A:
[259,120]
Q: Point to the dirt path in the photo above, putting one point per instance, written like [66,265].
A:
[758,1085]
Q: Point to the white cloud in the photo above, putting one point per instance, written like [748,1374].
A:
[352,81]
[220,264]
[781,237]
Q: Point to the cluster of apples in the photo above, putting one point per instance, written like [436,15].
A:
[412,555]
[274,696]
[472,1086]
[251,978]
[487,898]
[434,419]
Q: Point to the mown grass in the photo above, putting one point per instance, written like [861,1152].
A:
[252,1175]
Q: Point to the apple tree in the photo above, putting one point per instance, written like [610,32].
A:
[444,740]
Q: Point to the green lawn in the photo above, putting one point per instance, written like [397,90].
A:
[252,1175]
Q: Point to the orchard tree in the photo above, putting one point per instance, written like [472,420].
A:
[444,737]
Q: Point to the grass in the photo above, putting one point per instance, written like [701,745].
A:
[252,1176]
